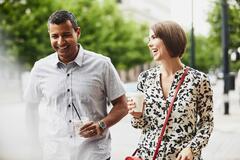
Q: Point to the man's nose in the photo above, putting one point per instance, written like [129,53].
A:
[60,40]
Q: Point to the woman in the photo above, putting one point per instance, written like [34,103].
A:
[191,121]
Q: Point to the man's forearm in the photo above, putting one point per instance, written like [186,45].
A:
[118,111]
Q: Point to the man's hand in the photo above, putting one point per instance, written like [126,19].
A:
[118,111]
[185,154]
[90,129]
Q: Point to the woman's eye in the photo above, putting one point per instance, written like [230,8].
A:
[153,37]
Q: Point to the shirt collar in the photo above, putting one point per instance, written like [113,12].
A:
[78,60]
[177,73]
[55,59]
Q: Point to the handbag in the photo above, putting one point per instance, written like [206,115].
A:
[133,157]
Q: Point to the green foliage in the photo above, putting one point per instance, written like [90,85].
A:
[215,19]
[23,29]
[23,25]
[105,31]
[206,54]
[208,51]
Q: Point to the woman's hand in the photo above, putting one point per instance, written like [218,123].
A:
[185,154]
[131,106]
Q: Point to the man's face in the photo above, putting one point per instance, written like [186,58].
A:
[63,39]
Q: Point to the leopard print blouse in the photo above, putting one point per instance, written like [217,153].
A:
[190,123]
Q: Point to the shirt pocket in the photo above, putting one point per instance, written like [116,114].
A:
[187,103]
[89,89]
[85,106]
[84,101]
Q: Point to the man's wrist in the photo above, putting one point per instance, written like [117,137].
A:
[102,125]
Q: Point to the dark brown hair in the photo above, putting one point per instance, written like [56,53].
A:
[62,16]
[172,35]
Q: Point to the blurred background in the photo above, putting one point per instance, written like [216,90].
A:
[119,29]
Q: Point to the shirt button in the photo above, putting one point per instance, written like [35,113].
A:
[69,106]
[68,90]
[68,74]
[70,121]
[71,136]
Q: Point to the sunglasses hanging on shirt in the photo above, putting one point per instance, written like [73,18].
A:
[76,111]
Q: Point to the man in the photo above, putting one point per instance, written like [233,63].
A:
[74,83]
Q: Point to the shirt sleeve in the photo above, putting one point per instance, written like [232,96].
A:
[32,93]
[142,121]
[113,85]
[205,113]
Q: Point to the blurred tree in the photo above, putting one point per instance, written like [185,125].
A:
[105,30]
[215,20]
[207,54]
[24,26]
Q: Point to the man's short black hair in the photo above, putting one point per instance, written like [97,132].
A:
[62,16]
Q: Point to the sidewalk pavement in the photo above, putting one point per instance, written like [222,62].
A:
[224,143]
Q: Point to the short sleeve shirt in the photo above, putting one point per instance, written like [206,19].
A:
[87,83]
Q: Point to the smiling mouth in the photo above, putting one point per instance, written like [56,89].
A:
[62,48]
[154,51]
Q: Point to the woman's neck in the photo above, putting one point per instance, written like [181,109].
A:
[171,66]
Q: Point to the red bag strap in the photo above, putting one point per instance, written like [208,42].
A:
[168,114]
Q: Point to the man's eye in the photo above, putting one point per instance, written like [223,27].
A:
[53,36]
[66,35]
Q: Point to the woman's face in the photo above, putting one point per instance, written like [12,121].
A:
[157,47]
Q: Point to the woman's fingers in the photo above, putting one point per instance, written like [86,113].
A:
[185,154]
[131,104]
